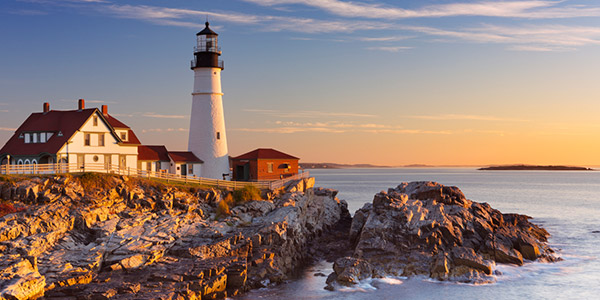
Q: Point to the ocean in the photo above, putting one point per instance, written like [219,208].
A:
[566,203]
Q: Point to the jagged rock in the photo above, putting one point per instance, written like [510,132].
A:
[467,257]
[154,242]
[20,279]
[351,270]
[431,229]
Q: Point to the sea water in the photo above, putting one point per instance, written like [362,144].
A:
[566,203]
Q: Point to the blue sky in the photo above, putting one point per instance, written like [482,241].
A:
[385,82]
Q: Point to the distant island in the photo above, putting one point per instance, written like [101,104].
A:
[534,168]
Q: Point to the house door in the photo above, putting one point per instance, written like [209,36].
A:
[107,161]
[80,161]
[242,172]
[184,169]
[122,162]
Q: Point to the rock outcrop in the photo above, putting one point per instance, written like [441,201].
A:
[425,228]
[128,238]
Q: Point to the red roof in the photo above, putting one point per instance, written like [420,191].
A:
[265,153]
[66,122]
[114,122]
[184,156]
[133,139]
[153,153]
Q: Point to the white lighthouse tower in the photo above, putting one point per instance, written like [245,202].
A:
[208,140]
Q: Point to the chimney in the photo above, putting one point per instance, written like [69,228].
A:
[105,110]
[46,107]
[81,104]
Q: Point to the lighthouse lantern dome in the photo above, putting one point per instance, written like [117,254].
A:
[207,41]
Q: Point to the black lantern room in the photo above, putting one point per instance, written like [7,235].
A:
[207,50]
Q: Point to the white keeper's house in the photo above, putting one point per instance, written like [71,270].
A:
[79,136]
[92,137]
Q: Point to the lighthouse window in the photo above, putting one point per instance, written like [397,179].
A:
[218,135]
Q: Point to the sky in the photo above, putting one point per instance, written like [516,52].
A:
[367,81]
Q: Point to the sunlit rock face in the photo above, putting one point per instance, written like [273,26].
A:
[426,228]
[132,239]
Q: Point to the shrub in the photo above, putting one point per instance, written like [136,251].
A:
[9,208]
[224,205]
[247,193]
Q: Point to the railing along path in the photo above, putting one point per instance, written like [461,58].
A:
[58,168]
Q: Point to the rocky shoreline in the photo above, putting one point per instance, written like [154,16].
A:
[428,229]
[132,239]
[112,237]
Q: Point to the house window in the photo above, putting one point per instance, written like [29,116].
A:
[86,139]
[270,167]
[27,138]
[96,158]
[95,120]
[149,166]
[218,135]
[42,137]
[124,136]
[35,137]
[190,169]
[101,139]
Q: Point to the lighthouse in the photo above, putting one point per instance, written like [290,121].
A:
[208,140]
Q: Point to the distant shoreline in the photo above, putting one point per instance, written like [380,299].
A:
[338,166]
[534,168]
[308,166]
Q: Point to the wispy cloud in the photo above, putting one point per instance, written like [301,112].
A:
[89,101]
[289,130]
[390,48]
[452,117]
[149,115]
[160,130]
[7,129]
[308,113]
[288,127]
[3,110]
[535,9]
[521,38]
[353,16]
[160,116]
[384,38]
[178,17]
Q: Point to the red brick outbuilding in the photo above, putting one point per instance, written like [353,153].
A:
[264,164]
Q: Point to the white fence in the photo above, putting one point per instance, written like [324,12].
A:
[115,169]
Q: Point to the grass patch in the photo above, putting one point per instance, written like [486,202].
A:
[247,193]
[14,178]
[95,181]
